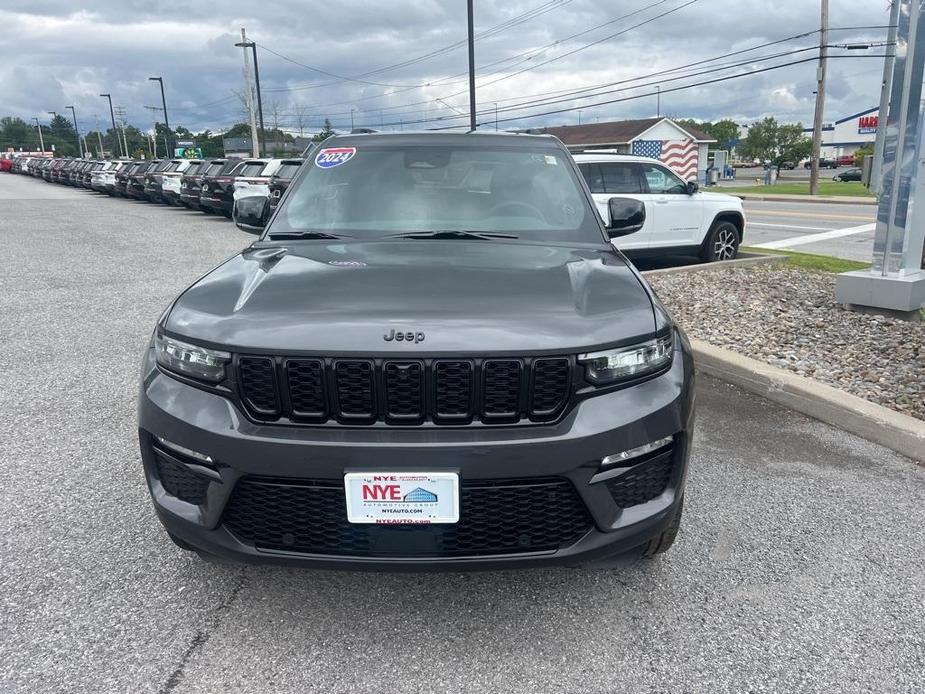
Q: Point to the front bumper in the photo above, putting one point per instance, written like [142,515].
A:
[568,450]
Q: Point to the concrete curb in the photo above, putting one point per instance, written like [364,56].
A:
[896,431]
[744,260]
[827,199]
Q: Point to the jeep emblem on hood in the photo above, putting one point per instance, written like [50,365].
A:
[404,337]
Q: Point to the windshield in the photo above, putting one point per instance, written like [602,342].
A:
[380,190]
[214,168]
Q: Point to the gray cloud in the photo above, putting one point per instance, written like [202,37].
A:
[59,53]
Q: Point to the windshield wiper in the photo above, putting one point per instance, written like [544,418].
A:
[451,234]
[305,235]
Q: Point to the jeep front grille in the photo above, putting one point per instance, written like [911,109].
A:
[404,391]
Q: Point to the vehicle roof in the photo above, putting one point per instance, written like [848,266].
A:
[453,139]
[610,156]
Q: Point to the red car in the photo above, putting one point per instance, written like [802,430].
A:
[6,164]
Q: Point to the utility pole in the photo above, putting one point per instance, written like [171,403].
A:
[820,99]
[41,141]
[885,88]
[496,117]
[245,44]
[121,112]
[658,101]
[79,148]
[249,96]
[160,80]
[115,130]
[471,66]
[99,135]
[154,135]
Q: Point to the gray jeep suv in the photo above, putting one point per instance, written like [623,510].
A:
[431,357]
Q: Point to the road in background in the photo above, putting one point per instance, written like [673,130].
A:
[843,231]
[799,565]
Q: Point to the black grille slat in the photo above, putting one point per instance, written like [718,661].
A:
[642,482]
[452,391]
[404,390]
[317,390]
[305,380]
[550,386]
[496,517]
[354,389]
[179,481]
[501,385]
[258,385]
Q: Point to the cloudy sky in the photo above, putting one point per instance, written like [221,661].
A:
[403,63]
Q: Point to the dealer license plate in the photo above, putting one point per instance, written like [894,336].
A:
[399,498]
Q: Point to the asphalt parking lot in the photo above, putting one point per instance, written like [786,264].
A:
[800,567]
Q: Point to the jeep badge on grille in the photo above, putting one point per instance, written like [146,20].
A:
[404,337]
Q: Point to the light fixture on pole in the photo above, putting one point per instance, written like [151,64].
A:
[76,131]
[112,115]
[160,80]
[253,46]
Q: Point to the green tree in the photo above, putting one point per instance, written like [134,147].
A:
[325,132]
[863,153]
[16,133]
[775,143]
[725,132]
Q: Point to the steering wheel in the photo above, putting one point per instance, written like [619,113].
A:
[530,209]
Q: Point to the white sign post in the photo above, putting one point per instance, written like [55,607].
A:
[896,281]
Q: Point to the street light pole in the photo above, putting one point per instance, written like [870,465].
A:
[76,131]
[41,141]
[160,80]
[471,66]
[820,99]
[115,131]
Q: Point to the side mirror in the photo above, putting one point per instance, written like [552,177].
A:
[692,187]
[251,213]
[627,216]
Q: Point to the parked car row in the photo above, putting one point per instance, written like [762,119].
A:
[211,185]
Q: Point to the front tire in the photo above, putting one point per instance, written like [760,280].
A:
[722,242]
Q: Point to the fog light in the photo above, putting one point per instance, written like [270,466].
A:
[623,456]
[182,450]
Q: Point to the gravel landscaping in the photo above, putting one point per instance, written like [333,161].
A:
[788,317]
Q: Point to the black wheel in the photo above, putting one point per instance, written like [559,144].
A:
[182,544]
[722,242]
[662,543]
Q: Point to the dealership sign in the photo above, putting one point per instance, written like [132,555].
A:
[867,125]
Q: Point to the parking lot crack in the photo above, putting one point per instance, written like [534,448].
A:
[202,635]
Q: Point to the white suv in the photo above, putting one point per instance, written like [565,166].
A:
[680,219]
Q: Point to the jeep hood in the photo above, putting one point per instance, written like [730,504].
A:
[465,296]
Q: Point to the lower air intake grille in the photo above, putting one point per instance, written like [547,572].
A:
[642,482]
[179,481]
[496,517]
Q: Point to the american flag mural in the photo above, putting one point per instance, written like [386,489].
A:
[679,155]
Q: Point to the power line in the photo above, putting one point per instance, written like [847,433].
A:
[514,21]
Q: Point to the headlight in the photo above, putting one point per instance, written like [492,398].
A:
[624,363]
[190,360]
